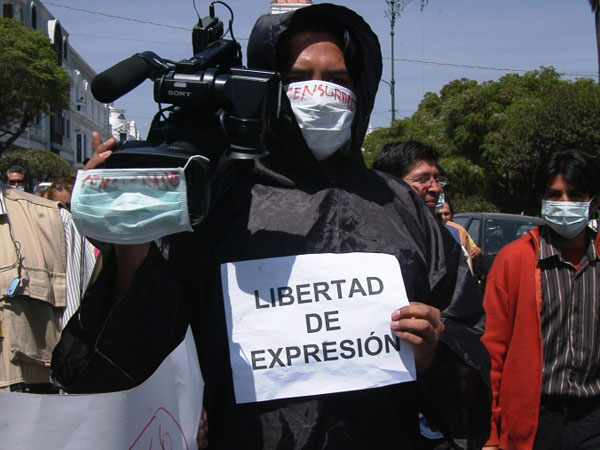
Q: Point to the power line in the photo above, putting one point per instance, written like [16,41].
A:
[470,66]
[112,16]
[412,61]
[127,39]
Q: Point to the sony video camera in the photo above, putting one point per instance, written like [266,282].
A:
[215,108]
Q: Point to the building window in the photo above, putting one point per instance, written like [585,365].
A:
[79,140]
[65,47]
[34,19]
[7,11]
[68,128]
[57,127]
[84,147]
[123,136]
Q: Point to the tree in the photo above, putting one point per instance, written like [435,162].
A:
[31,81]
[38,164]
[491,135]
[595,4]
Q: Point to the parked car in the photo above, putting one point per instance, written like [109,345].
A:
[491,232]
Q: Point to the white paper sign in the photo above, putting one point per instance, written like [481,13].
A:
[314,324]
[162,413]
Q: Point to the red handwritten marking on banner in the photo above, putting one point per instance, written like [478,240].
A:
[162,181]
[165,428]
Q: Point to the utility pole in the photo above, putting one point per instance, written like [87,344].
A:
[396,8]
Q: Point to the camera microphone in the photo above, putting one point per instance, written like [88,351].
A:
[121,78]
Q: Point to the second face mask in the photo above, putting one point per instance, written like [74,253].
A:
[130,206]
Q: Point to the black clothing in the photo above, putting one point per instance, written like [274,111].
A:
[282,205]
[568,424]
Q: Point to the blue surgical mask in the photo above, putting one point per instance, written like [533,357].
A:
[130,206]
[566,218]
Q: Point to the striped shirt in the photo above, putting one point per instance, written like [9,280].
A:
[570,319]
[80,261]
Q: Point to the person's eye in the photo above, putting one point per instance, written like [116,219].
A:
[423,180]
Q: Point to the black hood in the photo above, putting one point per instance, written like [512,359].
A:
[289,157]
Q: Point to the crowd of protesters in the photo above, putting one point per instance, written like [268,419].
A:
[514,368]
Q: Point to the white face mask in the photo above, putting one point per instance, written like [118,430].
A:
[325,112]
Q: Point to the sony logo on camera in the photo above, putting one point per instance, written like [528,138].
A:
[179,93]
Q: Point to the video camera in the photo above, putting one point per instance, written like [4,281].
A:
[217,108]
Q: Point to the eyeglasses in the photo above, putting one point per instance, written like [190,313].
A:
[429,180]
[16,182]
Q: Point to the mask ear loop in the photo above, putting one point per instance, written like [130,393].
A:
[204,162]
[194,157]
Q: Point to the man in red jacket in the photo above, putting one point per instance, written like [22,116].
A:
[542,305]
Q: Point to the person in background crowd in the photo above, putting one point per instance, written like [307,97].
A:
[15,177]
[473,252]
[416,164]
[542,305]
[45,265]
[311,194]
[60,191]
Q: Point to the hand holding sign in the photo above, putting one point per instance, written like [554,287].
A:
[314,324]
[421,326]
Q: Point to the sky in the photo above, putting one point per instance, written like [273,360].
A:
[445,40]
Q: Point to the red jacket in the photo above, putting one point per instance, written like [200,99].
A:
[512,302]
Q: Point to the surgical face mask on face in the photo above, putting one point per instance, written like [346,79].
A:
[566,218]
[130,206]
[324,111]
[440,203]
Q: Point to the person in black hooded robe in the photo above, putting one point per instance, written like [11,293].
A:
[296,201]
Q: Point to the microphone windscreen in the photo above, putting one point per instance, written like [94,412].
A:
[121,78]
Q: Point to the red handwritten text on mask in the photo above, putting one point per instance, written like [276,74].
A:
[164,181]
[321,90]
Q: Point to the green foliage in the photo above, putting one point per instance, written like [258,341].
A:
[491,135]
[31,81]
[378,138]
[38,164]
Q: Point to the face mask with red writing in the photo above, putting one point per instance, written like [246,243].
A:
[130,206]
[324,111]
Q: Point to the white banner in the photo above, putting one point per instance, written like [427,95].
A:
[163,413]
[314,324]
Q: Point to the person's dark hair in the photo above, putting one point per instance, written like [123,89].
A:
[399,158]
[17,169]
[64,184]
[324,25]
[449,207]
[579,169]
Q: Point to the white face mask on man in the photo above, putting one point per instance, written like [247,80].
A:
[324,111]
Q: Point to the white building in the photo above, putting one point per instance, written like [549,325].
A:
[66,133]
[122,129]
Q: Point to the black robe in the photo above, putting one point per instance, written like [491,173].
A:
[285,204]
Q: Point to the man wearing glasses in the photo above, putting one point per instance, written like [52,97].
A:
[15,176]
[417,165]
